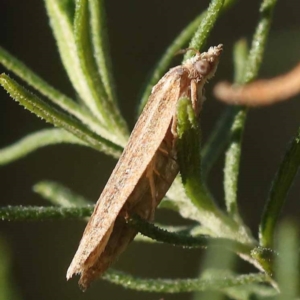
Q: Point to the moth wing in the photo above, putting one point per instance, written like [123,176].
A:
[143,143]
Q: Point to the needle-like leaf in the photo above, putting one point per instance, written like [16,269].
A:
[57,118]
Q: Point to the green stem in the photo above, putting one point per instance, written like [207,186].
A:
[186,240]
[200,36]
[36,213]
[180,285]
[101,47]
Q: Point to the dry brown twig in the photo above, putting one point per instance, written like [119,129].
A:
[261,92]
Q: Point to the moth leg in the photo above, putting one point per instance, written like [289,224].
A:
[150,175]
[174,127]
[162,177]
[166,154]
[163,151]
[194,97]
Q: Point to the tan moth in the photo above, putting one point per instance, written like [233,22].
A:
[145,170]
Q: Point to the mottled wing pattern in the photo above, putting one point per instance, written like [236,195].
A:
[144,141]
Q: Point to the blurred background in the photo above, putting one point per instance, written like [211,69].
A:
[139,32]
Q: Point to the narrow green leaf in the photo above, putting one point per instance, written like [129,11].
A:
[57,118]
[251,71]
[9,290]
[259,40]
[176,229]
[84,52]
[101,46]
[279,189]
[61,23]
[206,26]
[231,170]
[101,54]
[89,70]
[62,26]
[34,141]
[60,195]
[22,71]
[42,213]
[287,263]
[235,134]
[232,163]
[185,240]
[240,56]
[178,43]
[179,285]
[189,160]
[267,6]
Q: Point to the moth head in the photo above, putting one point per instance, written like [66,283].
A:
[202,67]
[205,64]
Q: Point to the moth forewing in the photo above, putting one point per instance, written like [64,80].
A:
[145,170]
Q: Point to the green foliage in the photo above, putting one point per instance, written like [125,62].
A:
[96,122]
[7,286]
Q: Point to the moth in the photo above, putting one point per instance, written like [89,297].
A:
[145,170]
